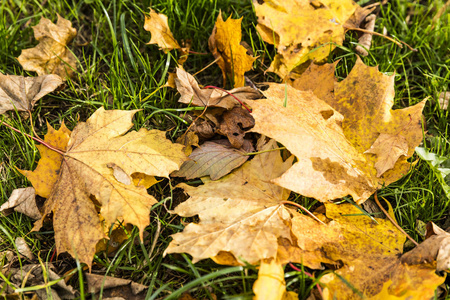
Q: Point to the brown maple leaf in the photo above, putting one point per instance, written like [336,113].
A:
[159,28]
[304,30]
[252,216]
[51,55]
[330,135]
[79,170]
[231,56]
[21,93]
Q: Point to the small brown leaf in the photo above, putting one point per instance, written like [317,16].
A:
[234,124]
[23,248]
[23,201]
[188,139]
[213,159]
[225,44]
[159,28]
[444,98]
[21,93]
[51,55]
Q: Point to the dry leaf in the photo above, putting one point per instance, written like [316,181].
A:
[188,139]
[21,93]
[252,216]
[51,55]
[225,44]
[114,288]
[330,135]
[23,248]
[192,94]
[214,159]
[444,97]
[365,41]
[234,123]
[270,284]
[81,171]
[303,30]
[159,28]
[23,201]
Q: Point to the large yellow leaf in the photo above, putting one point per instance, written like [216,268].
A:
[225,44]
[330,135]
[242,213]
[85,168]
[303,30]
[51,55]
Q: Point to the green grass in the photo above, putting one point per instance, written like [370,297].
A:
[119,71]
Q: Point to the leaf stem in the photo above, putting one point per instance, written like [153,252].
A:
[33,138]
[218,88]
[304,209]
[393,221]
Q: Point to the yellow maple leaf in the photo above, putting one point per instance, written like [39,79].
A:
[86,166]
[51,55]
[232,57]
[159,28]
[303,30]
[252,216]
[331,134]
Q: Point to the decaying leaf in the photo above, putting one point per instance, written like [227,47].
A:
[252,216]
[23,201]
[444,98]
[234,124]
[188,139]
[192,94]
[232,57]
[330,135]
[159,28]
[21,93]
[303,30]
[215,159]
[365,41]
[366,253]
[51,55]
[114,288]
[80,170]
[22,247]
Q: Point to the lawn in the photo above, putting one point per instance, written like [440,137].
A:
[117,69]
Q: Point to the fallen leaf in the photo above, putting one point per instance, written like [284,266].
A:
[114,287]
[81,171]
[231,56]
[329,135]
[51,55]
[436,164]
[21,93]
[24,201]
[188,139]
[234,124]
[252,216]
[270,284]
[213,159]
[23,248]
[365,41]
[303,30]
[444,97]
[141,179]
[192,94]
[159,28]
[388,148]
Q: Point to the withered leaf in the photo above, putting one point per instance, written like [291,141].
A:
[252,216]
[24,201]
[234,124]
[82,171]
[21,93]
[192,94]
[330,135]
[214,159]
[51,55]
[303,30]
[159,28]
[232,57]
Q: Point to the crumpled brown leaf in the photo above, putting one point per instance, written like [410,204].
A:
[24,201]
[234,124]
[51,55]
[214,158]
[96,283]
[192,94]
[232,57]
[21,93]
[159,28]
